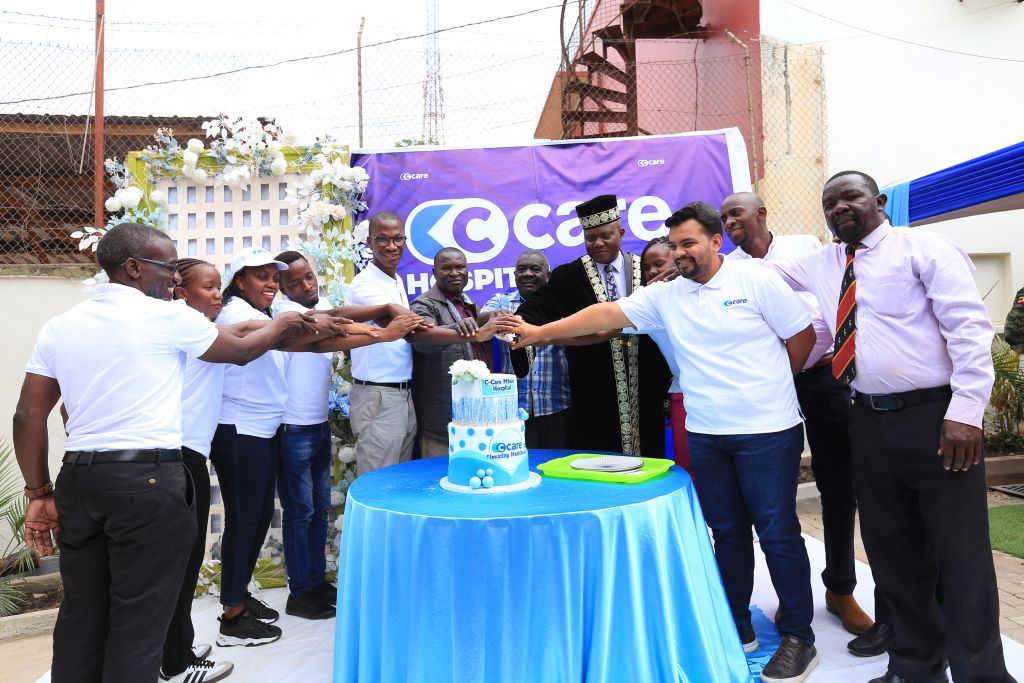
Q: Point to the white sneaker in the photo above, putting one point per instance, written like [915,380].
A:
[201,671]
[201,650]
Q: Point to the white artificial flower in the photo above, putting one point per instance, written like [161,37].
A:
[188,171]
[189,158]
[338,523]
[199,175]
[337,498]
[158,197]
[274,145]
[337,212]
[347,454]
[113,204]
[279,167]
[361,231]
[195,145]
[130,196]
[290,137]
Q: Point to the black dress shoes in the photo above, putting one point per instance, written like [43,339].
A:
[890,677]
[873,642]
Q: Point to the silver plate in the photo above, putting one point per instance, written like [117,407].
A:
[608,463]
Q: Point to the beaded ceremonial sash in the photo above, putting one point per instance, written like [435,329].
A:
[624,363]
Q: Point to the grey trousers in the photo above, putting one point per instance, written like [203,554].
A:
[384,424]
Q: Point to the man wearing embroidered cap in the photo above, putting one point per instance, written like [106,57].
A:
[617,382]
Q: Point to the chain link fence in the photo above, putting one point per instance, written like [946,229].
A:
[495,88]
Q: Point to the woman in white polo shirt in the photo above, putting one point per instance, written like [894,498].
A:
[245,451]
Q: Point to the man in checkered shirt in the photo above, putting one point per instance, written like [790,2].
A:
[544,389]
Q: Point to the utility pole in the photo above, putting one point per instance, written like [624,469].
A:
[359,74]
[97,167]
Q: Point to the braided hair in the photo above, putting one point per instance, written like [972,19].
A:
[186,267]
[653,243]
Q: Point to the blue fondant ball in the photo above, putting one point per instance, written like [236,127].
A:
[474,482]
[451,429]
[482,446]
[471,431]
[489,472]
[480,473]
[451,449]
[489,432]
[488,482]
[462,444]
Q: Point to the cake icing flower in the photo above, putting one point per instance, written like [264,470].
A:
[468,370]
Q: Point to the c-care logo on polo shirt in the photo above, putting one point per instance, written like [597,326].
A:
[733,302]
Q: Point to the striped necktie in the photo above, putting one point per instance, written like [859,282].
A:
[844,363]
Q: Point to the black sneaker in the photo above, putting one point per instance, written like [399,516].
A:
[326,592]
[245,629]
[309,606]
[260,609]
[748,638]
[791,663]
[201,671]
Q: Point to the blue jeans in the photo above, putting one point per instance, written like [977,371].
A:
[304,487]
[751,479]
[246,471]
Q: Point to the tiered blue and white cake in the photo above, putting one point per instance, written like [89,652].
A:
[487,435]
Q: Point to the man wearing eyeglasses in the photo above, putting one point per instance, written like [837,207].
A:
[380,406]
[123,504]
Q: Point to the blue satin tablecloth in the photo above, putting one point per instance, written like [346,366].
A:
[568,581]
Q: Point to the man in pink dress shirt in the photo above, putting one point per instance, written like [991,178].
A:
[923,374]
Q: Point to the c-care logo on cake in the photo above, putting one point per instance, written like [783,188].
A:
[508,449]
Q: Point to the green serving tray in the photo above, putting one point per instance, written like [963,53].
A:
[561,468]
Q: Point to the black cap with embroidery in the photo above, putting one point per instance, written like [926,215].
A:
[600,210]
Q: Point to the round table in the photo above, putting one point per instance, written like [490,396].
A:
[569,581]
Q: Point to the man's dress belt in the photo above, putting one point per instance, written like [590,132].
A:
[391,385]
[885,403]
[153,455]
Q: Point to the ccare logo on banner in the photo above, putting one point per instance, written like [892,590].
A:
[432,225]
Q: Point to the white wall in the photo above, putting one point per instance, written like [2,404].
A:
[898,111]
[27,303]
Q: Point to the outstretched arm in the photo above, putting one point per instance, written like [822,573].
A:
[594,318]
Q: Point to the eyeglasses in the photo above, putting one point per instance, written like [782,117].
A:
[382,241]
[172,267]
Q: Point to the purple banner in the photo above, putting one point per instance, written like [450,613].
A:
[494,203]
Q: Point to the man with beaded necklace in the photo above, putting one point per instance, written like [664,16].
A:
[618,383]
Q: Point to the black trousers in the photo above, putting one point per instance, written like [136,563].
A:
[178,654]
[923,525]
[549,431]
[826,407]
[126,530]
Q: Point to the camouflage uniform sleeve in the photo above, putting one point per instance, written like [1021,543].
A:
[1014,329]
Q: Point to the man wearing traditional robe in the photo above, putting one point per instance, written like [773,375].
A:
[618,384]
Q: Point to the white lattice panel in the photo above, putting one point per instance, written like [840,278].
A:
[213,222]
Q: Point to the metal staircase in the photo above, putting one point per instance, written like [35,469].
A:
[601,83]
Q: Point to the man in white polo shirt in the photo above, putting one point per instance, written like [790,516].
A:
[380,404]
[122,503]
[738,334]
[825,404]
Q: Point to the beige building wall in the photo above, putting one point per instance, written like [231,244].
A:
[794,143]
[28,302]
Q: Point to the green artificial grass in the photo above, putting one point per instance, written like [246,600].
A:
[1006,529]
